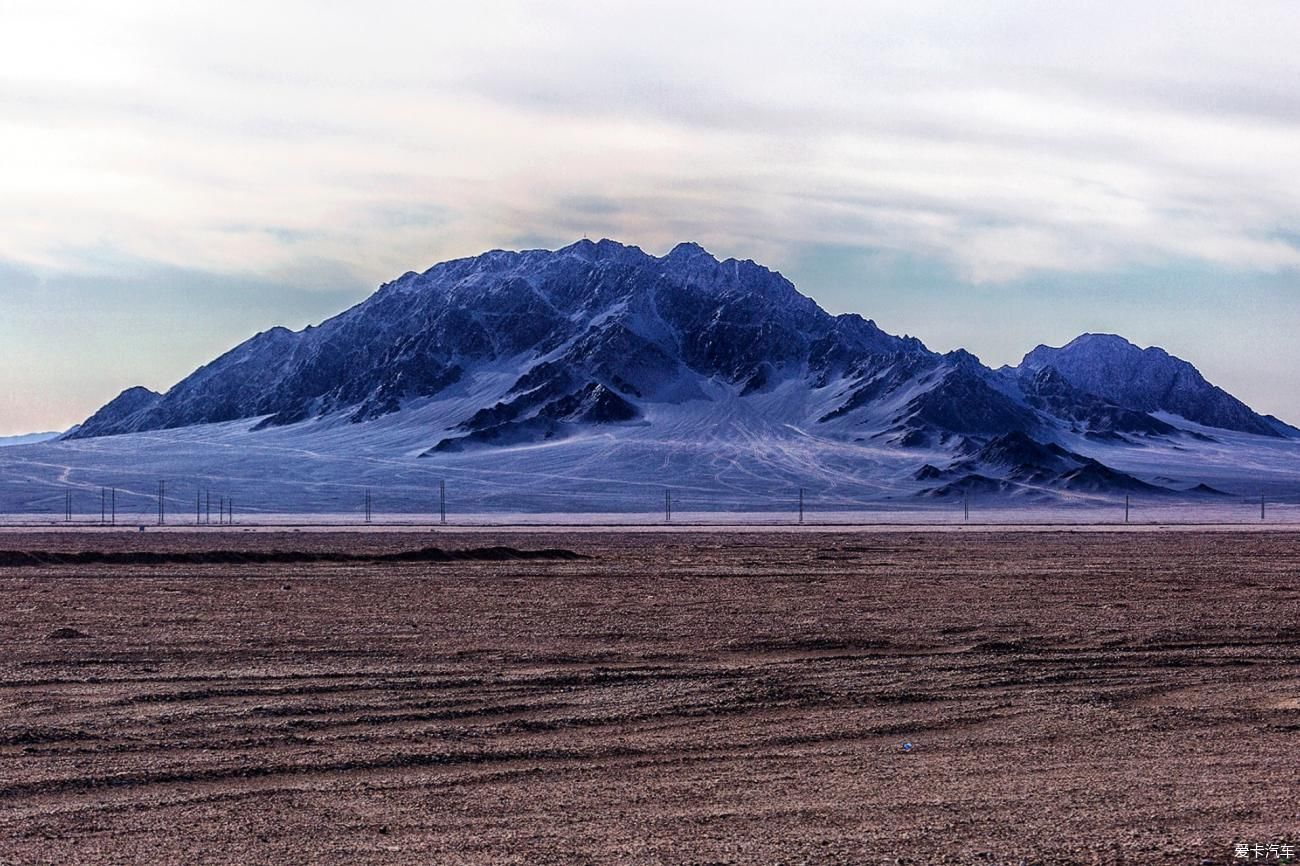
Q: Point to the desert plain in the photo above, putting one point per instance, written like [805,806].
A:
[778,697]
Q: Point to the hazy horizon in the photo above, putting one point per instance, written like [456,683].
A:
[177,179]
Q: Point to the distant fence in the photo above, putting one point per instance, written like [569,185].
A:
[177,502]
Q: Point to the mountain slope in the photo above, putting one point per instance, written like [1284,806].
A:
[1016,464]
[123,413]
[1146,380]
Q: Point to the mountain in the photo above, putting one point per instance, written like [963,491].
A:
[592,315]
[1015,464]
[27,439]
[626,361]
[116,415]
[1148,380]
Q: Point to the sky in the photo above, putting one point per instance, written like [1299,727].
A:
[175,177]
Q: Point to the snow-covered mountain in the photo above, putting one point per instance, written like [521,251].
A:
[592,330]
[1148,380]
[681,358]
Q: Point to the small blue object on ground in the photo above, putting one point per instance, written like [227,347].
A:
[907,747]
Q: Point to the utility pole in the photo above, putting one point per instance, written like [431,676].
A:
[221,510]
[442,502]
[801,505]
[103,506]
[965,507]
[668,506]
[207,495]
[198,506]
[1261,506]
[1126,509]
[114,502]
[367,505]
[162,509]
[67,506]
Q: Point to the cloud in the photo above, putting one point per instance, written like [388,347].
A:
[1008,139]
[16,282]
[310,145]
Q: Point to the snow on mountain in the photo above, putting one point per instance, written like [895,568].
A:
[598,367]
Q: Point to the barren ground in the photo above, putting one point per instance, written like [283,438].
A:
[693,698]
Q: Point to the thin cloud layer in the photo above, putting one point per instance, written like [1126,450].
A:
[1007,139]
[273,142]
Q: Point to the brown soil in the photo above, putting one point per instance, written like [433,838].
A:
[39,558]
[699,698]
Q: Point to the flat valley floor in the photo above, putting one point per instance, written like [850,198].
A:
[684,698]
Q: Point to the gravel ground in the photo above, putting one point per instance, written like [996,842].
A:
[692,698]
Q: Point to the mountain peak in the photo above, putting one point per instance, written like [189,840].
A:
[115,415]
[962,358]
[687,251]
[1145,380]
[601,249]
[137,392]
[1094,339]
[1110,342]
